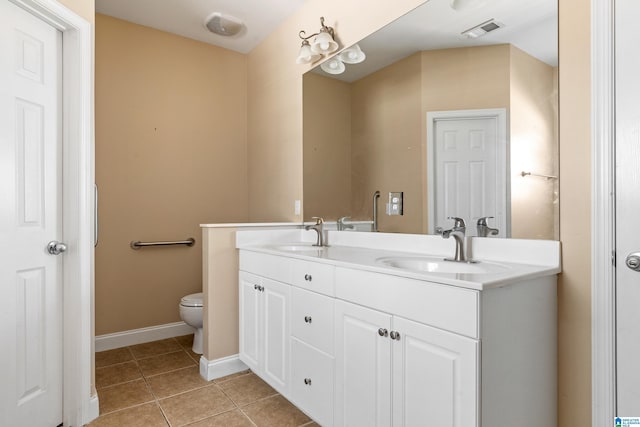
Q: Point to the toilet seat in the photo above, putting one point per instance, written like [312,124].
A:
[192,300]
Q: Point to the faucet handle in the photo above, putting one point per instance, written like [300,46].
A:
[344,218]
[459,222]
[483,220]
[319,220]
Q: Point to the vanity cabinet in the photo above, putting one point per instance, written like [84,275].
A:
[392,371]
[264,328]
[358,347]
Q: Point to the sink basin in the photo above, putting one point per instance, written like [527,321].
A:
[439,265]
[298,247]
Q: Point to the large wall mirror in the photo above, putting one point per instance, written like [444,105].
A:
[462,124]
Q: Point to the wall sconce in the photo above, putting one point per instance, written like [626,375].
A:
[323,44]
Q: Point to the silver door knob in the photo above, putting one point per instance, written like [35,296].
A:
[633,261]
[383,332]
[395,335]
[56,248]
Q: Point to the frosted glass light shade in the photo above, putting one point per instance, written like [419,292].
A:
[324,43]
[306,56]
[352,55]
[333,66]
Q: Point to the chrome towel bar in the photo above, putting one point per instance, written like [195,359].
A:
[137,244]
[523,174]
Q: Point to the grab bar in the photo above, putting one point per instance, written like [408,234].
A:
[523,174]
[137,244]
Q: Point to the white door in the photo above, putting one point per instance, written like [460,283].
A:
[363,367]
[435,377]
[467,162]
[275,323]
[627,206]
[30,217]
[250,320]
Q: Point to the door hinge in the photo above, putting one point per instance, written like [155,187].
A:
[613,258]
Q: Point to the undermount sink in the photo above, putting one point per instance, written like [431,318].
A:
[298,247]
[439,265]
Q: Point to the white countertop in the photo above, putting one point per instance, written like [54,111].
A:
[538,256]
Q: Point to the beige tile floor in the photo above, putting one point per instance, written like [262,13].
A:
[158,384]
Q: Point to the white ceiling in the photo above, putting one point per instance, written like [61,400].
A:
[186,17]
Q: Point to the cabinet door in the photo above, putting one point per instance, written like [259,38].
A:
[276,297]
[435,377]
[363,366]
[250,324]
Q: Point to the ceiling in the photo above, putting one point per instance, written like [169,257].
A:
[186,17]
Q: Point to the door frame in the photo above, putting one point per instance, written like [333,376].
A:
[80,401]
[603,312]
[502,136]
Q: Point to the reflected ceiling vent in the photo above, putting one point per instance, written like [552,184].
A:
[482,29]
[224,25]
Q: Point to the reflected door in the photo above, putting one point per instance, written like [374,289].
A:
[30,217]
[468,169]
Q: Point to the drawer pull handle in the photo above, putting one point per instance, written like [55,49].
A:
[307,319]
[308,277]
[307,381]
[395,335]
[383,332]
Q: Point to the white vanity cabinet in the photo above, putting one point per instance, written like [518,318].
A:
[354,346]
[393,371]
[264,328]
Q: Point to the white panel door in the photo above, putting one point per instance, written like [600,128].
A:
[469,172]
[627,206]
[363,367]
[250,313]
[30,217]
[435,377]
[276,329]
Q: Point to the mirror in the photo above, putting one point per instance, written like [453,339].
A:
[379,126]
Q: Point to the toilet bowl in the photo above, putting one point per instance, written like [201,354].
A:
[191,314]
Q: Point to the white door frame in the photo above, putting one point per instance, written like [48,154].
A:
[80,402]
[603,353]
[500,114]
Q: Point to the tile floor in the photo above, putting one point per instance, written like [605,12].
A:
[158,384]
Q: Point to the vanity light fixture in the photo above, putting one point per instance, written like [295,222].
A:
[482,29]
[323,44]
[333,65]
[352,55]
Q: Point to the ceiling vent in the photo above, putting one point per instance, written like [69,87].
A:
[224,25]
[482,29]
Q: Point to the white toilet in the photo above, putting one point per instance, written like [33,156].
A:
[191,314]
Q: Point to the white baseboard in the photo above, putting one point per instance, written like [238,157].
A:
[142,335]
[212,369]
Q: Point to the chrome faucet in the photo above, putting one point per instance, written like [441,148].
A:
[342,224]
[318,227]
[483,228]
[458,233]
[375,210]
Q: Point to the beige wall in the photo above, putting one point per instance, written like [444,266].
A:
[84,8]
[275,101]
[533,147]
[574,291]
[327,147]
[170,154]
[273,72]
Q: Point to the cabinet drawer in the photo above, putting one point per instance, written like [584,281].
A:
[312,382]
[445,307]
[313,276]
[265,265]
[312,319]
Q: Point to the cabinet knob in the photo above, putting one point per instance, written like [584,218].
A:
[307,381]
[255,287]
[395,335]
[383,332]
[307,319]
[308,277]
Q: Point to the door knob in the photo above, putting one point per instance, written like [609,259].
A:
[633,261]
[56,248]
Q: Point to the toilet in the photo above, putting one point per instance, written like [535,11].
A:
[191,314]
